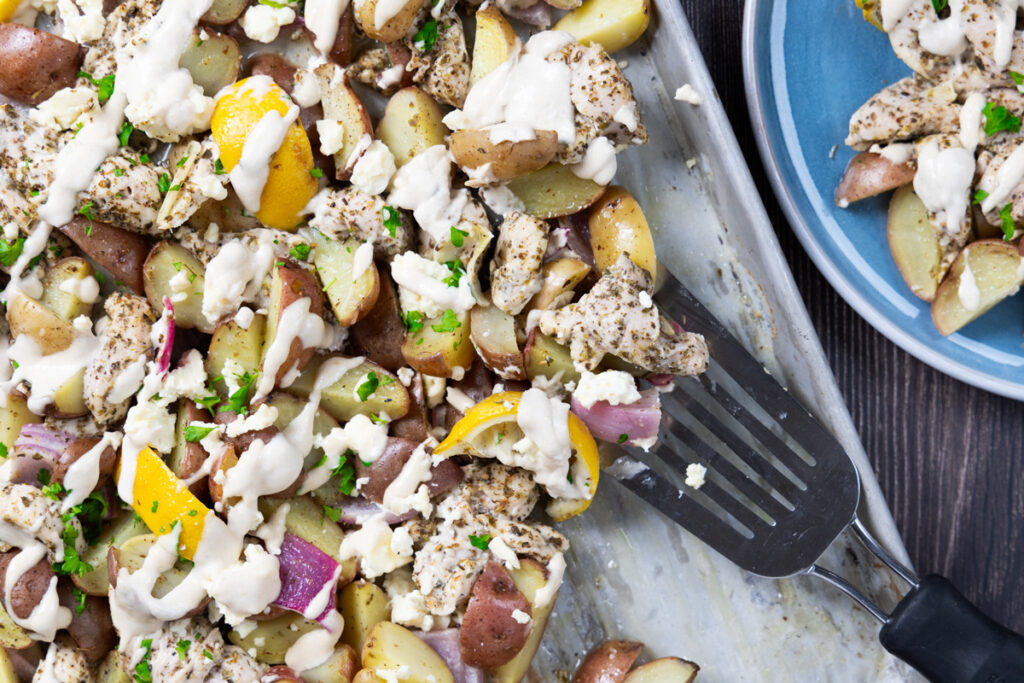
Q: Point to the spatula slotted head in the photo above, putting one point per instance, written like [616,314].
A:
[779,487]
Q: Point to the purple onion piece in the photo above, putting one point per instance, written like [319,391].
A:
[638,421]
[165,351]
[37,448]
[661,380]
[355,510]
[538,14]
[304,570]
[446,644]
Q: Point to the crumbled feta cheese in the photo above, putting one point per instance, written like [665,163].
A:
[374,169]
[264,417]
[179,286]
[64,108]
[149,423]
[421,286]
[332,136]
[520,616]
[405,376]
[306,91]
[434,388]
[614,386]
[83,19]
[688,94]
[645,300]
[503,553]
[263,23]
[379,549]
[695,475]
[211,186]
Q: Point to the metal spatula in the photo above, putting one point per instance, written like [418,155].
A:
[779,490]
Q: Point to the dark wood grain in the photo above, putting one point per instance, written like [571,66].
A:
[949,457]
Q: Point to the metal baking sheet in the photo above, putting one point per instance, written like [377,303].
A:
[632,573]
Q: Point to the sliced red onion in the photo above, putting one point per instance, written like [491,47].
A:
[662,380]
[37,448]
[165,351]
[639,420]
[577,239]
[305,570]
[446,644]
[355,510]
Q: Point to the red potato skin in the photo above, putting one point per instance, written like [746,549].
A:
[444,476]
[490,636]
[341,51]
[609,662]
[121,252]
[76,450]
[91,629]
[31,586]
[275,66]
[869,174]
[282,674]
[400,55]
[35,64]
[414,425]
[384,469]
[379,333]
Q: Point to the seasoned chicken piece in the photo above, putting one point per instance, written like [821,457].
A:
[986,24]
[116,373]
[123,30]
[905,37]
[442,72]
[617,316]
[165,664]
[515,270]
[124,193]
[235,667]
[64,663]
[350,212]
[197,179]
[29,152]
[952,233]
[371,69]
[902,111]
[24,506]
[492,500]
[603,99]
[990,161]
[14,207]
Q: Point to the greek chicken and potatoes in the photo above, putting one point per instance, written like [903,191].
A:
[947,140]
[314,316]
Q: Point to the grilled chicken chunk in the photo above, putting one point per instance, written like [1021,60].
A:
[515,270]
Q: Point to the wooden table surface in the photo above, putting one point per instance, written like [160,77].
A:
[949,457]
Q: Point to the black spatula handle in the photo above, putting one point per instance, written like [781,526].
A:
[949,640]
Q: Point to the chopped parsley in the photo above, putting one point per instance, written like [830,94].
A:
[300,251]
[182,648]
[333,514]
[3,450]
[79,601]
[458,236]
[316,173]
[207,654]
[623,438]
[195,433]
[181,162]
[1006,221]
[392,219]
[426,37]
[104,86]
[939,5]
[998,119]
[164,183]
[457,269]
[346,474]
[979,197]
[218,167]
[86,211]
[72,563]
[449,322]
[208,402]
[238,402]
[375,419]
[126,132]
[9,253]
[118,172]
[142,672]
[1017,77]
[481,541]
[413,321]
[366,389]
[156,504]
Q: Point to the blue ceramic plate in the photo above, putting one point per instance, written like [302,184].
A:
[808,65]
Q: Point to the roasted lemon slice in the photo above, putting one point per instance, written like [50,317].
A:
[490,430]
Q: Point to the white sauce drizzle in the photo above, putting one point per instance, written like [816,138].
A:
[547,593]
[943,182]
[423,186]
[971,125]
[967,291]
[83,474]
[545,449]
[322,18]
[599,162]
[1005,181]
[48,616]
[249,177]
[296,323]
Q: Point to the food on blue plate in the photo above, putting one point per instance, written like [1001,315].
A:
[310,323]
[948,137]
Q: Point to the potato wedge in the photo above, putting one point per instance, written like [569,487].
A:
[274,65]
[365,676]
[188,456]
[390,397]
[340,667]
[914,244]
[341,103]
[664,670]
[271,638]
[288,285]
[986,271]
[609,662]
[224,11]
[545,357]
[391,647]
[560,278]
[378,335]
[869,174]
[13,416]
[244,345]
[363,605]
[613,24]
[69,399]
[167,260]
[351,296]
[490,635]
[555,191]
[65,300]
[473,149]
[109,670]
[394,28]
[411,123]
[493,333]
[7,674]
[618,226]
[495,42]
[438,348]
[130,556]
[529,578]
[306,519]
[36,63]
[213,61]
[115,534]
[28,316]
[121,252]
